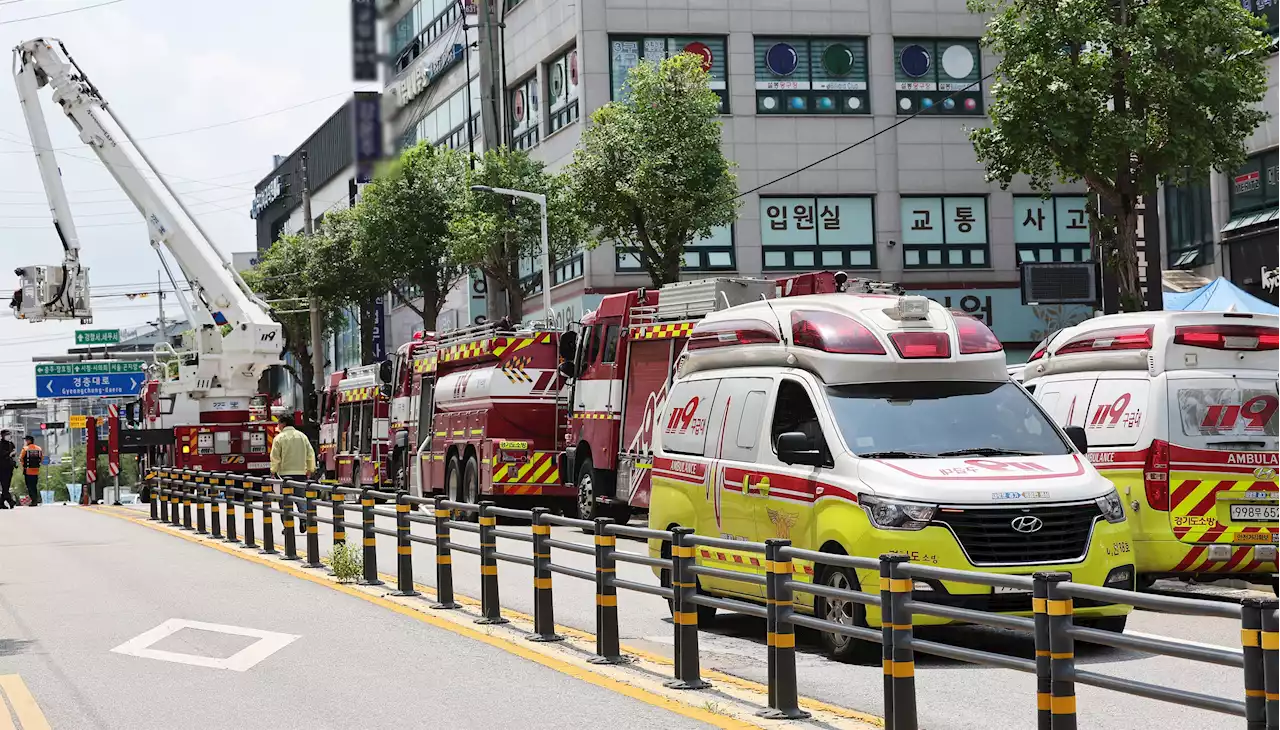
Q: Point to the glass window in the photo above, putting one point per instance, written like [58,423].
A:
[1188,218]
[366,428]
[817,233]
[626,52]
[418,28]
[1053,229]
[593,346]
[944,232]
[1265,9]
[931,419]
[937,76]
[445,123]
[1225,413]
[611,344]
[712,253]
[793,411]
[524,114]
[562,91]
[811,76]
[424,411]
[752,415]
[1253,186]
[344,428]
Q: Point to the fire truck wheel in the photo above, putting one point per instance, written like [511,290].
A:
[453,483]
[471,485]
[838,646]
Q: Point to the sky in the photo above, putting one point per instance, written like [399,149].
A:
[166,67]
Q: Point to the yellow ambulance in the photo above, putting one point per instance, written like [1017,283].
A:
[1180,412]
[864,424]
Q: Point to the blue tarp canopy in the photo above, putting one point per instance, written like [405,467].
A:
[1219,295]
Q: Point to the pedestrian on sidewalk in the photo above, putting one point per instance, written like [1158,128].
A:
[292,457]
[32,457]
[8,461]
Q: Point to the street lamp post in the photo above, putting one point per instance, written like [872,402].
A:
[546,243]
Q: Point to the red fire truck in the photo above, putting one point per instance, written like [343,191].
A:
[480,416]
[626,355]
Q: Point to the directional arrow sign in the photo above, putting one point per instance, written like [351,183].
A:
[81,386]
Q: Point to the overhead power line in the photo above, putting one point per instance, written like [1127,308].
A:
[60,12]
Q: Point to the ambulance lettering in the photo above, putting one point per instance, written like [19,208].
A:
[1007,466]
[1115,414]
[682,419]
[1256,458]
[1257,412]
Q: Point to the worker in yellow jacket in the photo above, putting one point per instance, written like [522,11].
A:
[292,456]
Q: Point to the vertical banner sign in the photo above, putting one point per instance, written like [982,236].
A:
[366,118]
[379,329]
[113,440]
[364,40]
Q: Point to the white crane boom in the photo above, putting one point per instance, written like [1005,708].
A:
[236,338]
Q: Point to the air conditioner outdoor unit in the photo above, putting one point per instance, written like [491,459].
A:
[1061,283]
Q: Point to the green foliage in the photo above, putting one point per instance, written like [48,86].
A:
[404,225]
[1120,94]
[57,476]
[346,561]
[649,174]
[336,272]
[493,232]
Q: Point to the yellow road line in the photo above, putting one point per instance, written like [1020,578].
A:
[6,721]
[586,675]
[24,705]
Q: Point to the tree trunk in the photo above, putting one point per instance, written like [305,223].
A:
[367,320]
[494,299]
[1126,255]
[671,265]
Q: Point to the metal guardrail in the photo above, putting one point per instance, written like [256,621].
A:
[1051,627]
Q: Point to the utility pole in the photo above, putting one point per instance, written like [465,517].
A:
[1152,242]
[317,344]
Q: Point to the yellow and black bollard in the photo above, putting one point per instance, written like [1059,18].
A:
[200,497]
[230,491]
[444,558]
[313,528]
[268,522]
[608,650]
[1271,660]
[1255,692]
[904,663]
[685,616]
[175,499]
[1062,654]
[490,606]
[247,496]
[337,506]
[544,618]
[286,513]
[187,488]
[404,549]
[784,694]
[155,497]
[886,641]
[370,540]
[163,495]
[1044,680]
[215,507]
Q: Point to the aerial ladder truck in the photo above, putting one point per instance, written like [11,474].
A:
[234,337]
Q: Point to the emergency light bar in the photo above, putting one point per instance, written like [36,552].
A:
[732,332]
[975,336]
[1227,336]
[913,307]
[1114,338]
[834,333]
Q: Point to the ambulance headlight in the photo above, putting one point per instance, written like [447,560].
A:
[893,514]
[1111,506]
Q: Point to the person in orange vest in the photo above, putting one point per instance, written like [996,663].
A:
[31,457]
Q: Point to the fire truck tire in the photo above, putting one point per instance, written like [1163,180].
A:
[590,483]
[453,479]
[839,647]
[471,484]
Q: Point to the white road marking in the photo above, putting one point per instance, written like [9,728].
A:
[268,643]
[1188,642]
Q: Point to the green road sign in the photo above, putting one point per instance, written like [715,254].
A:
[97,337]
[102,367]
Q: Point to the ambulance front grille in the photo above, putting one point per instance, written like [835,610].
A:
[989,538]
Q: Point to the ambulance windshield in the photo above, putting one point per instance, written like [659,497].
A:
[942,419]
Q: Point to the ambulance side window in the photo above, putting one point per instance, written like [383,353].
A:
[686,419]
[793,411]
[737,419]
[752,415]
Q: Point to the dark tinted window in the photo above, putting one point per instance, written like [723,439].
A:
[793,411]
[933,418]
[610,344]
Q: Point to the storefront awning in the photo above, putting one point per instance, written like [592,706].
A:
[1239,223]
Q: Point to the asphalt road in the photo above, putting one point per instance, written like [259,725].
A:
[951,695]
[74,585]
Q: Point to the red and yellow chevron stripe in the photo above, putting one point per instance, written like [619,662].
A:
[596,415]
[359,394]
[497,346]
[540,470]
[427,363]
[661,331]
[1197,516]
[748,560]
[1197,561]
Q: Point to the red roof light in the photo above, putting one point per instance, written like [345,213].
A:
[1227,336]
[1115,338]
[921,345]
[833,333]
[732,332]
[976,337]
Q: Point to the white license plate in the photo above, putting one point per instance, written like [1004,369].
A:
[1006,590]
[1255,512]
[259,465]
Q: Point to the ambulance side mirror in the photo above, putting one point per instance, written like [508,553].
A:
[1078,438]
[795,447]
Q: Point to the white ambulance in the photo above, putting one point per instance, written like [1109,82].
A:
[1180,411]
[866,424]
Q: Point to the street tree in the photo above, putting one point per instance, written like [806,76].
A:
[1120,94]
[336,272]
[280,279]
[649,174]
[494,232]
[404,227]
